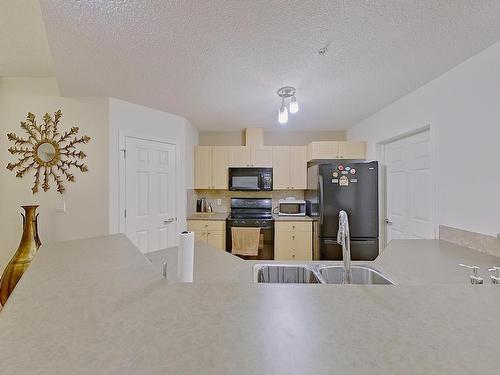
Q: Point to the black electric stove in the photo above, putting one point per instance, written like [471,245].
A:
[253,212]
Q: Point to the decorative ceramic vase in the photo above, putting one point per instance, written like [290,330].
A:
[30,242]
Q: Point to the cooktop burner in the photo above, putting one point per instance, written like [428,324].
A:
[251,210]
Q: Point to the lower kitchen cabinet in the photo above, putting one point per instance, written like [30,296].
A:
[293,240]
[212,232]
[217,239]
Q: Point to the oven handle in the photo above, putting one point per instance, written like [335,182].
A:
[236,226]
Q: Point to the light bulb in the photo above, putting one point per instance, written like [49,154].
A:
[283,115]
[294,106]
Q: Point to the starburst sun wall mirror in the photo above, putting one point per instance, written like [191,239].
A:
[50,154]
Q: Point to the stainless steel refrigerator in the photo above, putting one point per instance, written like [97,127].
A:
[350,186]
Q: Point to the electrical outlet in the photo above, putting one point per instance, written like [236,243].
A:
[60,206]
[219,202]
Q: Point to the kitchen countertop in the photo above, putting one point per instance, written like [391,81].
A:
[98,306]
[277,217]
[431,262]
[217,216]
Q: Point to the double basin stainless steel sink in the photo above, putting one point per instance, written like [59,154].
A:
[317,274]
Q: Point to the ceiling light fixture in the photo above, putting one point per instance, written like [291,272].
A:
[294,106]
[283,113]
[284,93]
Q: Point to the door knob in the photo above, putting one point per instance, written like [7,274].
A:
[388,222]
[168,221]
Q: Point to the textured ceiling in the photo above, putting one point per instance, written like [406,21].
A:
[219,63]
[24,50]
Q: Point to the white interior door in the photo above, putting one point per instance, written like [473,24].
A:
[151,217]
[410,211]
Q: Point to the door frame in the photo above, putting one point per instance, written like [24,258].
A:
[122,186]
[380,152]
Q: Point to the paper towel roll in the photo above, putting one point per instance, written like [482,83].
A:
[185,257]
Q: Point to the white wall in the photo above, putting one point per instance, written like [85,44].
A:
[463,109]
[129,118]
[86,198]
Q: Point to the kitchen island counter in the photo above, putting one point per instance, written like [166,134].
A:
[98,306]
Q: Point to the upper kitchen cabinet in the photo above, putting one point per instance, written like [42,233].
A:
[298,167]
[250,156]
[289,167]
[220,164]
[239,156]
[203,167]
[336,150]
[211,164]
[352,150]
[262,156]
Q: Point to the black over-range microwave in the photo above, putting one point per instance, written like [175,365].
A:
[250,179]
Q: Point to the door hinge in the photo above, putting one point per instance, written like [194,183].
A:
[125,214]
[124,152]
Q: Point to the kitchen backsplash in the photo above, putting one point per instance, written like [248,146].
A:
[226,195]
[473,240]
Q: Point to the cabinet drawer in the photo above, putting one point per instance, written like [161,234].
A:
[294,226]
[294,246]
[201,225]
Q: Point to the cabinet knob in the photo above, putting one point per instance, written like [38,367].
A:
[293,237]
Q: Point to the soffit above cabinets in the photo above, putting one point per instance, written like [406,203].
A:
[219,63]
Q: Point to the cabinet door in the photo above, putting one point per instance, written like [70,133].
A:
[239,156]
[217,239]
[203,167]
[302,245]
[323,150]
[199,229]
[298,167]
[352,150]
[220,163]
[262,156]
[281,167]
[283,246]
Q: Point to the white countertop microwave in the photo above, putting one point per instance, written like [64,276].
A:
[291,207]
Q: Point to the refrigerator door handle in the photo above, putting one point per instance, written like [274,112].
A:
[321,202]
[331,242]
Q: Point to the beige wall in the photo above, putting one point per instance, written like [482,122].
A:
[461,107]
[86,200]
[279,138]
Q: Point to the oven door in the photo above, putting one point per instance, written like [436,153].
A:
[266,246]
[245,179]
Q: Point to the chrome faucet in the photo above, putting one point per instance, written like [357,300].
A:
[495,278]
[474,278]
[343,239]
